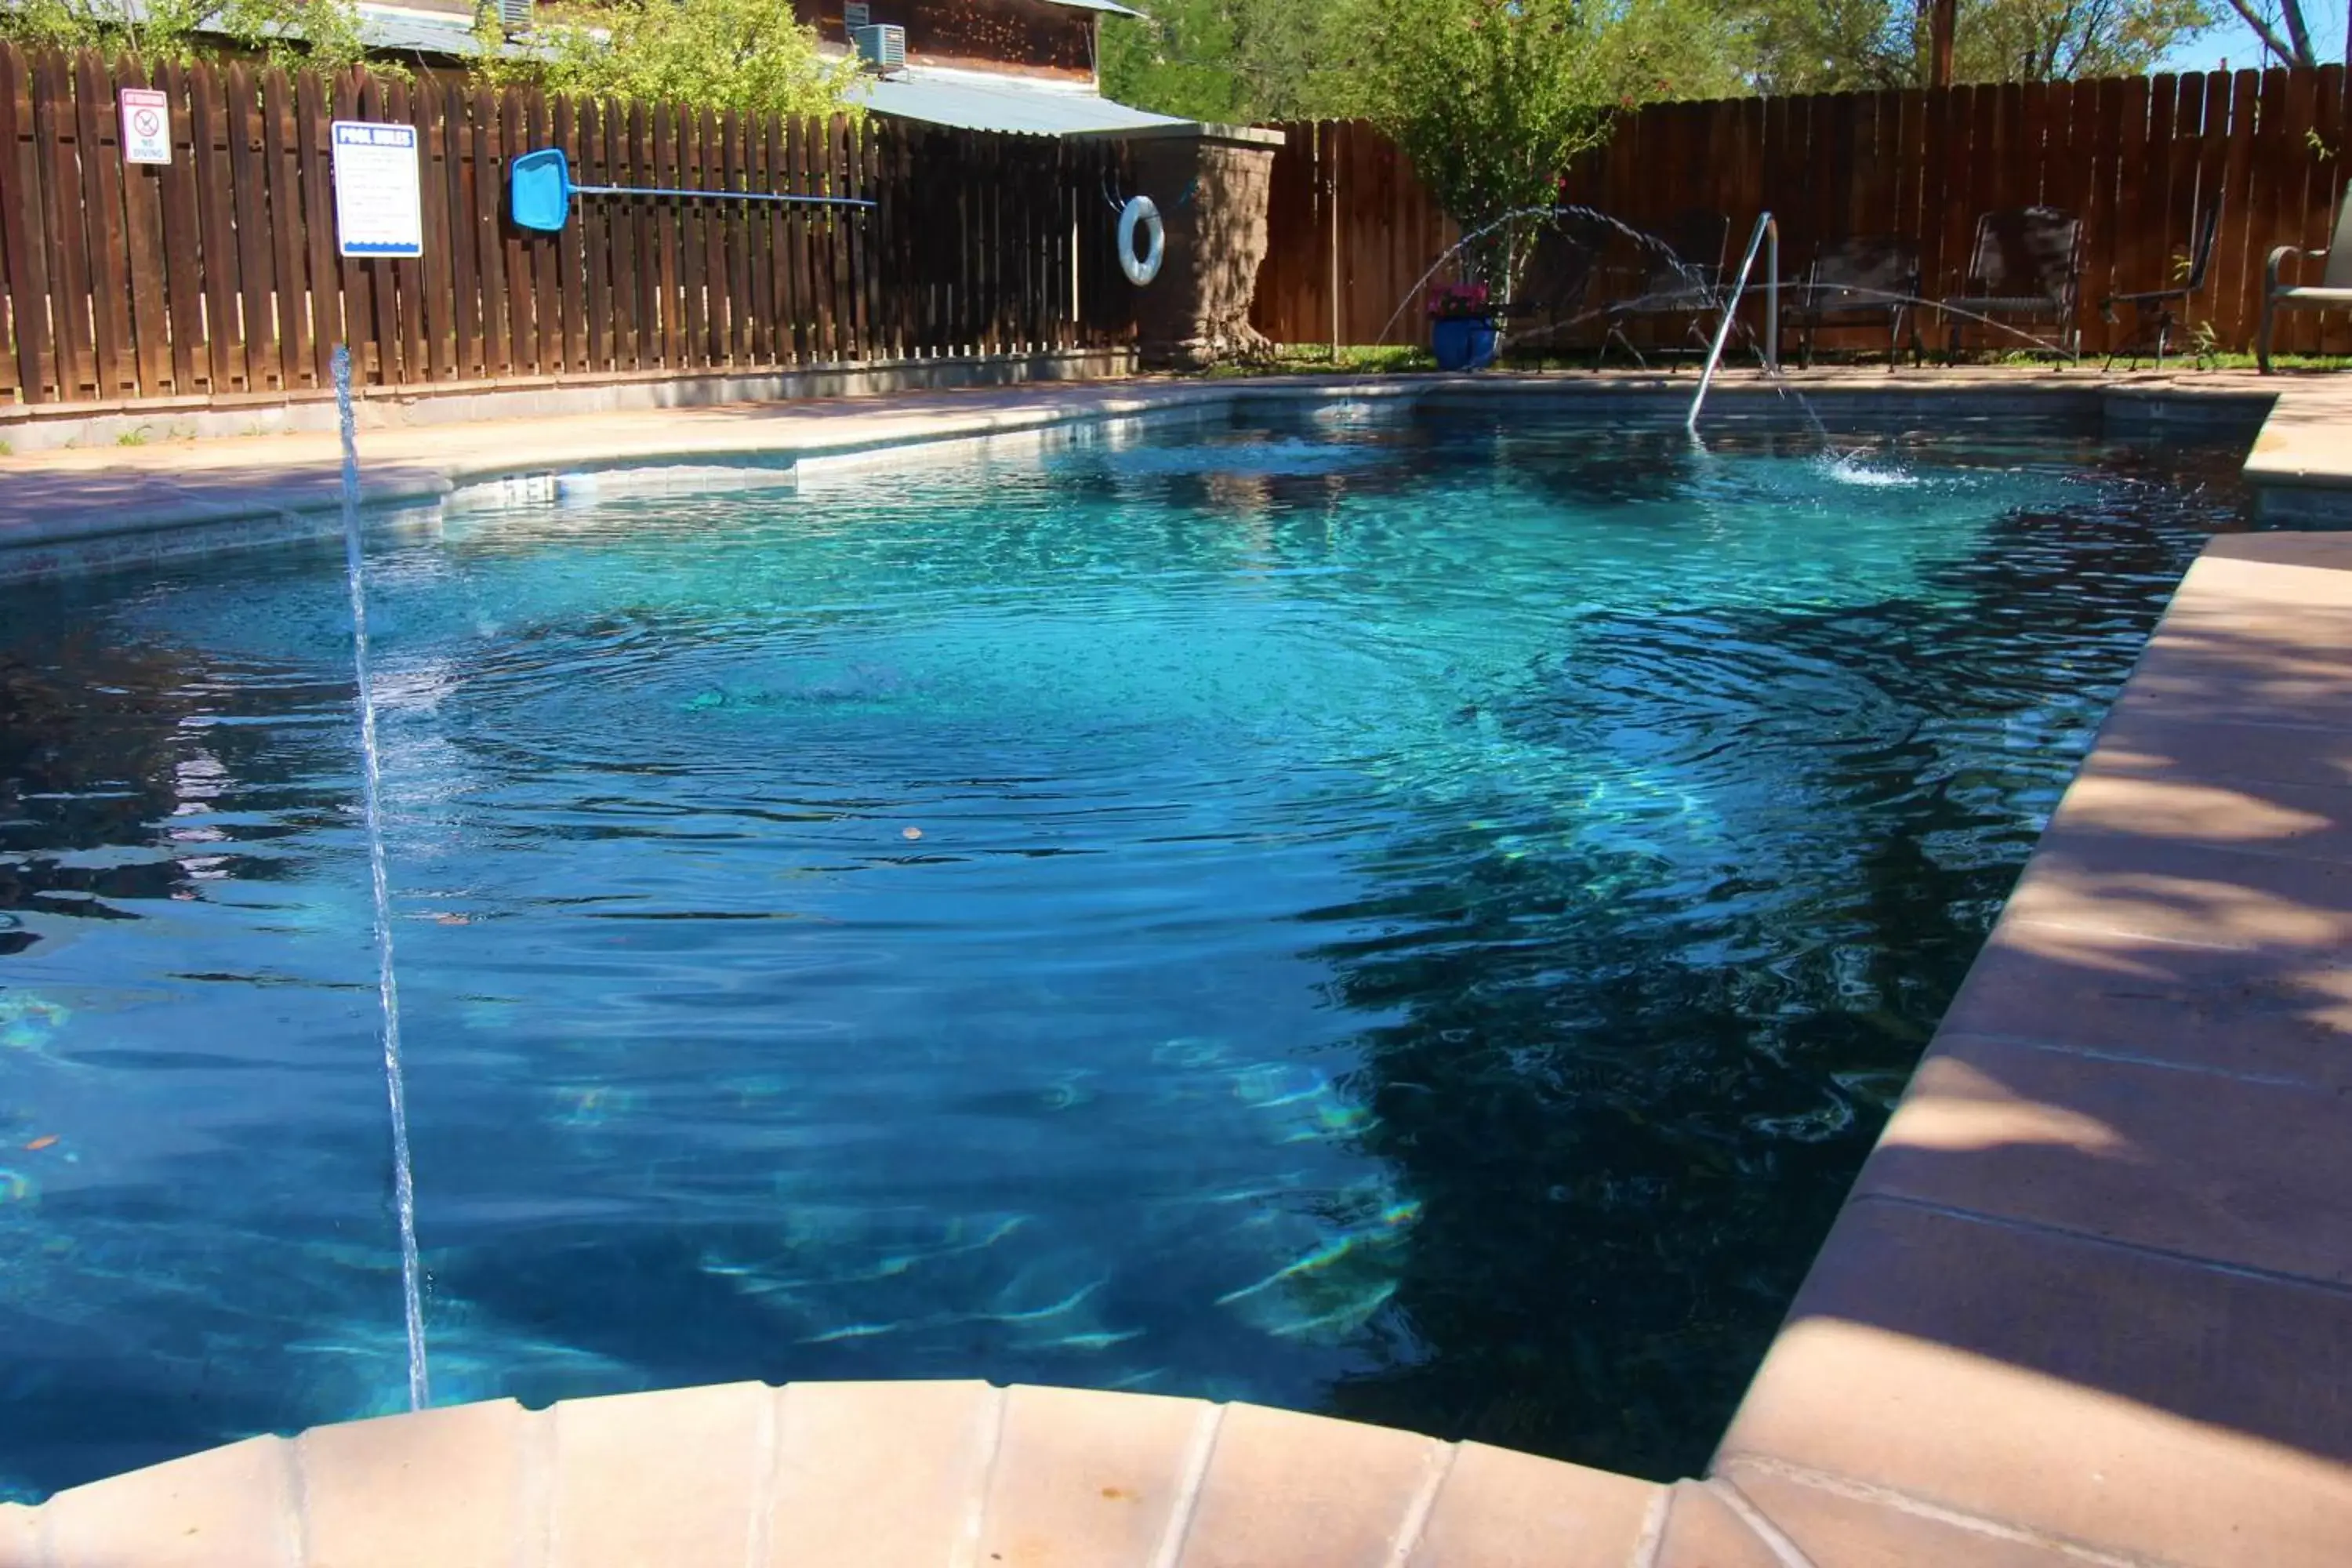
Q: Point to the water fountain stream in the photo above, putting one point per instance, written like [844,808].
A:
[387,985]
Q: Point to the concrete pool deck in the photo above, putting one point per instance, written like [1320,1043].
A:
[2090,1301]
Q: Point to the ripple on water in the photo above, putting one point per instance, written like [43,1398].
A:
[1417,916]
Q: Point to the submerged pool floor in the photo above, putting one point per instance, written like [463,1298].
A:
[1417,918]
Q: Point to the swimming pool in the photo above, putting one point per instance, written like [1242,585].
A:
[1417,917]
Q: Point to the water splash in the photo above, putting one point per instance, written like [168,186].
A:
[1849,469]
[1642,238]
[387,986]
[1693,278]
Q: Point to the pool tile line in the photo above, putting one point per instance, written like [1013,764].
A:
[1774,1539]
[295,1516]
[2091,1238]
[2095,928]
[767,1454]
[1437,1465]
[1197,1456]
[990,1425]
[1897,1501]
[2103,1053]
[2155,709]
[542,1457]
[1651,1538]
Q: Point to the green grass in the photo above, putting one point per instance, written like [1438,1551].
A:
[2279,362]
[1306,359]
[2186,358]
[1296,359]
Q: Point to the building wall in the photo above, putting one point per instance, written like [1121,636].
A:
[1027,38]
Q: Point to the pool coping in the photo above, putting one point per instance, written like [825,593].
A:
[2087,1302]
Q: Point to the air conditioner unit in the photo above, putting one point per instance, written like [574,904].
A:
[883,48]
[514,15]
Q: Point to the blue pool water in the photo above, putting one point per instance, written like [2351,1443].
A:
[1413,917]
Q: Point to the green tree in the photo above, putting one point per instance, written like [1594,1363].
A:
[1233,61]
[721,54]
[1491,99]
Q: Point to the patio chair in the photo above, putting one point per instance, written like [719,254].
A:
[1688,283]
[2026,265]
[2333,290]
[1556,281]
[1859,282]
[2157,304]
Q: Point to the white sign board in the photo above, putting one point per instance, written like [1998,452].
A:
[146,125]
[378,211]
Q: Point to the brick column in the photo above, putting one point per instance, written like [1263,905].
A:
[1210,184]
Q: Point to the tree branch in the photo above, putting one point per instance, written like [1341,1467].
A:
[2298,32]
[2268,36]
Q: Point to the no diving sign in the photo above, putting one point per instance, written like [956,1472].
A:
[146,125]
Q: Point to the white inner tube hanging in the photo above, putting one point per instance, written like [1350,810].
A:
[1141,269]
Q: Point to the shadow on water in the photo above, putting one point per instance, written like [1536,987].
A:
[98,745]
[1630,1102]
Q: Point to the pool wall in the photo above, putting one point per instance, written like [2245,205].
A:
[97,509]
[43,428]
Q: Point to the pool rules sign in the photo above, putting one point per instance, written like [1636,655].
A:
[378,210]
[146,125]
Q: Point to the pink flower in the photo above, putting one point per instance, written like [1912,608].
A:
[1454,300]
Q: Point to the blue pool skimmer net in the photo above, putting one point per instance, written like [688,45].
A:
[540,191]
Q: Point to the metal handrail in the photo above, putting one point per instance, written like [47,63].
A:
[1767,229]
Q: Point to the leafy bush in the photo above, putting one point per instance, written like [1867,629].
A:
[323,33]
[752,54]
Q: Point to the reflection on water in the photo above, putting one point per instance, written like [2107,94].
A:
[1419,919]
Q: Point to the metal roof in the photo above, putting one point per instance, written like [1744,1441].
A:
[383,32]
[410,32]
[1112,6]
[1001,103]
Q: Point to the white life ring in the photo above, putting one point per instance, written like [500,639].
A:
[1141,269]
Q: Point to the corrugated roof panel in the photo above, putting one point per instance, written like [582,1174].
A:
[399,33]
[1113,6]
[971,107]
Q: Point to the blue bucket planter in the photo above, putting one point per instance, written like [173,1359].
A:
[1463,343]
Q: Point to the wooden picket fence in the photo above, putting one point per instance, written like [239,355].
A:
[1351,232]
[2136,157]
[218,274]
